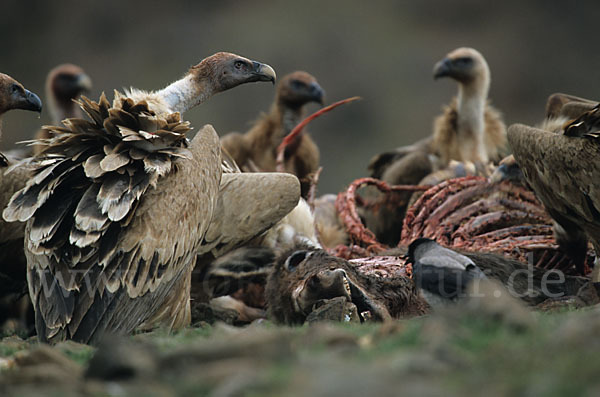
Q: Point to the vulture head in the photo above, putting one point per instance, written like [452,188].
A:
[226,70]
[14,96]
[299,88]
[465,65]
[66,82]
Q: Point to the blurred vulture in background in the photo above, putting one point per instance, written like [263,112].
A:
[563,168]
[118,207]
[468,130]
[256,150]
[64,84]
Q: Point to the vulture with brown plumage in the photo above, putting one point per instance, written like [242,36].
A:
[14,96]
[64,84]
[562,169]
[119,205]
[468,130]
[12,262]
[257,148]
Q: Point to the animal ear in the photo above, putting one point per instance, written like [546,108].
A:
[294,260]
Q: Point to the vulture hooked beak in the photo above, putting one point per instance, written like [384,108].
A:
[27,100]
[443,68]
[84,82]
[263,72]
[317,93]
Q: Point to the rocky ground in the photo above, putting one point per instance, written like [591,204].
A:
[484,346]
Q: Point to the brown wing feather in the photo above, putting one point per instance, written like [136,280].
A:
[249,204]
[381,162]
[116,210]
[563,171]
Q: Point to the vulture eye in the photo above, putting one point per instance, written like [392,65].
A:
[15,88]
[463,61]
[238,65]
[295,259]
[297,84]
[66,77]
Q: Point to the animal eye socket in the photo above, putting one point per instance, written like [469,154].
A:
[295,259]
[238,64]
[297,84]
[463,61]
[15,88]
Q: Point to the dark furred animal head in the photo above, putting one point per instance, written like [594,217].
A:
[299,88]
[303,278]
[67,82]
[463,65]
[14,96]
[226,70]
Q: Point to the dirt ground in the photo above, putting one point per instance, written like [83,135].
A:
[491,346]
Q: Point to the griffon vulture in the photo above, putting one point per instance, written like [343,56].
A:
[468,130]
[64,84]
[257,148]
[118,207]
[562,169]
[12,261]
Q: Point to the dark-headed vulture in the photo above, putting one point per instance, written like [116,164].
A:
[562,169]
[256,150]
[12,274]
[14,96]
[64,84]
[119,204]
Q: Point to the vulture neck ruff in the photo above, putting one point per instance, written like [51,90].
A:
[60,110]
[186,93]
[471,101]
[290,117]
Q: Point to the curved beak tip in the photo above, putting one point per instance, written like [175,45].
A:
[34,102]
[441,69]
[265,72]
[84,82]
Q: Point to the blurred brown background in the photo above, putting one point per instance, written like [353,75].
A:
[383,51]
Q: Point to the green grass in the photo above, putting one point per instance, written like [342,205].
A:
[559,354]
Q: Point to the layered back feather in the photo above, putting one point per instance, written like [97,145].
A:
[563,171]
[96,171]
[93,237]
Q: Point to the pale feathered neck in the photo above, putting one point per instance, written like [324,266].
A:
[185,94]
[179,96]
[471,102]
